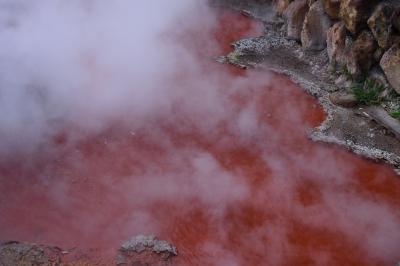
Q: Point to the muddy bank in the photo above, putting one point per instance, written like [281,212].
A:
[356,128]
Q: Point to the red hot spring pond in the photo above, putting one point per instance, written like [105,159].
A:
[229,177]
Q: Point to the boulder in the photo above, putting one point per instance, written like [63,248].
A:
[380,24]
[361,54]
[390,63]
[316,24]
[336,45]
[281,5]
[332,8]
[295,14]
[355,13]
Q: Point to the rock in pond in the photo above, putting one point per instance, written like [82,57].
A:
[146,250]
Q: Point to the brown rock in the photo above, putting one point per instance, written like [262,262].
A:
[390,63]
[295,14]
[316,24]
[381,26]
[343,99]
[355,13]
[281,6]
[361,54]
[396,19]
[332,8]
[336,44]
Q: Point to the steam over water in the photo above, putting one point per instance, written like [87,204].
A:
[116,121]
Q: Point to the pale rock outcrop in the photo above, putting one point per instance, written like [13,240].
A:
[295,14]
[361,54]
[390,63]
[316,24]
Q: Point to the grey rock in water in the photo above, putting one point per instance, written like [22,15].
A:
[17,253]
[146,250]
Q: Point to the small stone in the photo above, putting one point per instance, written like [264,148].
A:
[343,99]
[332,8]
[295,14]
[390,64]
[355,13]
[381,26]
[361,54]
[316,24]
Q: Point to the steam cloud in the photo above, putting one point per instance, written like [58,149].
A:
[84,64]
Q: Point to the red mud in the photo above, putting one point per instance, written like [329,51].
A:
[306,204]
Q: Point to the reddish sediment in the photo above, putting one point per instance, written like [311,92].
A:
[302,203]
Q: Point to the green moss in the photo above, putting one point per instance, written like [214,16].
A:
[395,115]
[368,92]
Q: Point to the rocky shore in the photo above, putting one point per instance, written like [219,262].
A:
[345,53]
[140,251]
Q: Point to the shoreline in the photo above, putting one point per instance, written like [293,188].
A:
[352,128]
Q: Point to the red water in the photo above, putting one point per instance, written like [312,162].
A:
[249,189]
